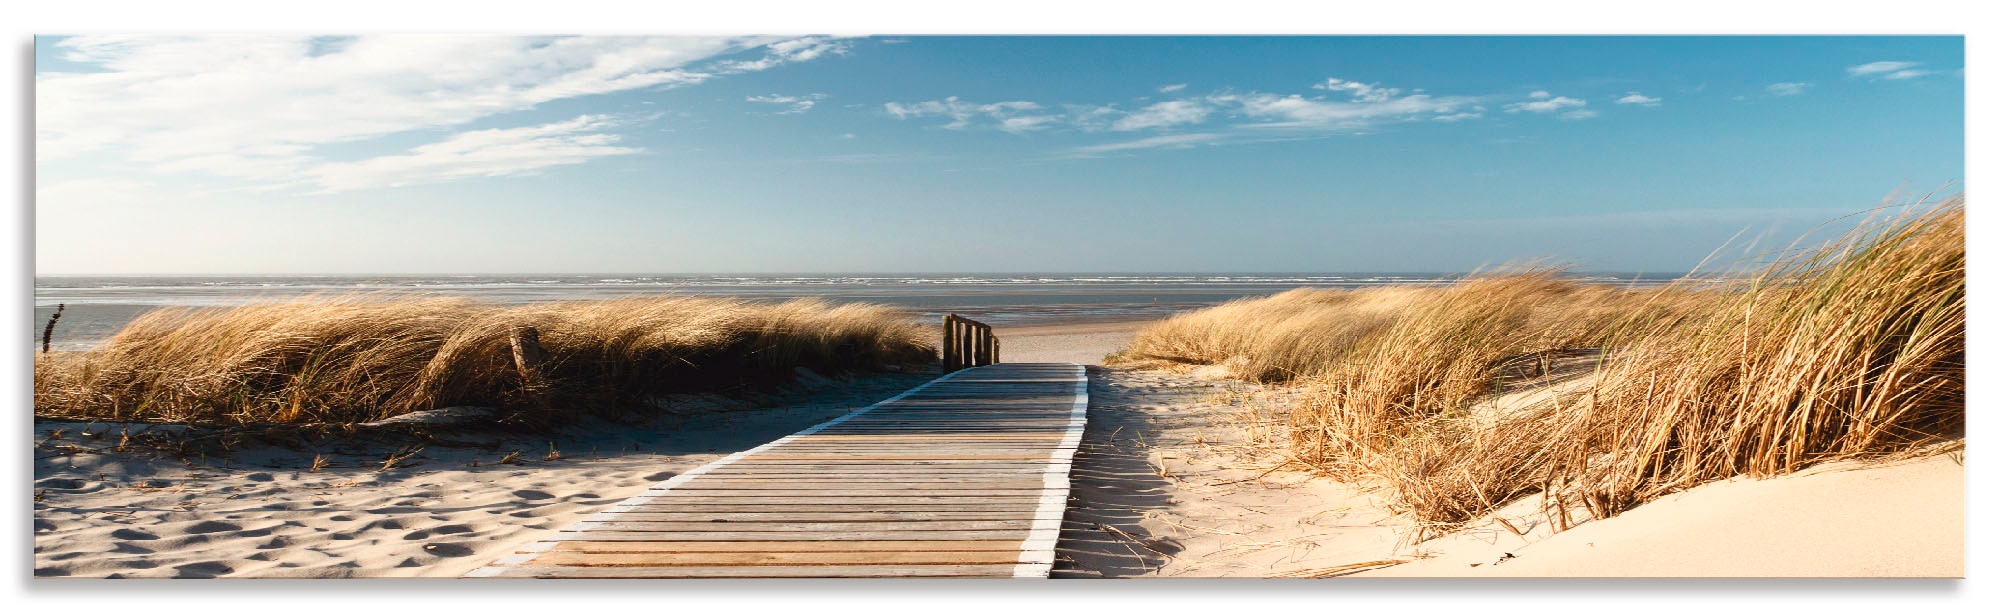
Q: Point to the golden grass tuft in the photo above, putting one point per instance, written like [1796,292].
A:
[358,358]
[1853,350]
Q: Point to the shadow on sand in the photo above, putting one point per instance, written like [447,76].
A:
[1112,485]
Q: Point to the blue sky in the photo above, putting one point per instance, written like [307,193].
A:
[400,154]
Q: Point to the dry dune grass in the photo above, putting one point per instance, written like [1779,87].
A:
[1853,350]
[357,358]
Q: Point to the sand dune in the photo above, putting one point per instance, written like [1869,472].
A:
[451,507]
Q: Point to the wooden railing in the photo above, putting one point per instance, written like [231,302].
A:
[968,343]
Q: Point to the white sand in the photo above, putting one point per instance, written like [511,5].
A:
[1843,519]
[260,512]
[1180,475]
[1081,343]
[1172,481]
[1165,486]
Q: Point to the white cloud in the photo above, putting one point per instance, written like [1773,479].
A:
[1580,114]
[794,104]
[1169,141]
[1163,114]
[1544,103]
[1295,111]
[786,52]
[1886,70]
[1010,115]
[1639,99]
[1455,117]
[1168,89]
[259,107]
[1787,89]
[1363,92]
[487,153]
[1027,123]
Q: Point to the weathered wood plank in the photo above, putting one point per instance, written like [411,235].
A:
[936,525]
[752,535]
[758,572]
[974,506]
[964,476]
[775,558]
[827,516]
[1009,546]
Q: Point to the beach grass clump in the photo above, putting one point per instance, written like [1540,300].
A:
[358,358]
[1853,350]
[1850,351]
[1397,331]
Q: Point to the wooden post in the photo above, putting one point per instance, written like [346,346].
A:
[965,345]
[996,350]
[528,353]
[950,345]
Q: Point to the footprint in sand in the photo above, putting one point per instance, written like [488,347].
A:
[51,572]
[211,527]
[447,550]
[276,542]
[660,476]
[533,495]
[133,535]
[203,570]
[130,548]
[59,483]
[260,477]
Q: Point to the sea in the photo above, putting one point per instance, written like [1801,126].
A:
[95,307]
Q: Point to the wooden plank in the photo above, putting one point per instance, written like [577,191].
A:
[975,506]
[815,558]
[867,493]
[759,572]
[758,535]
[961,476]
[841,500]
[935,525]
[966,483]
[781,546]
[830,516]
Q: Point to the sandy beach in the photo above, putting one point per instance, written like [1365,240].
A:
[1180,475]
[446,509]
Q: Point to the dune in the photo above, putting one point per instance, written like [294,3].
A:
[447,506]
[1843,519]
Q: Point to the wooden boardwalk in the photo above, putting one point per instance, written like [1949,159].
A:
[964,476]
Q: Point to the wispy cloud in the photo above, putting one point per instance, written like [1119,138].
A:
[1169,141]
[1639,99]
[1364,92]
[259,108]
[1168,89]
[1887,70]
[1787,89]
[1012,116]
[1542,102]
[1163,114]
[787,52]
[478,153]
[793,104]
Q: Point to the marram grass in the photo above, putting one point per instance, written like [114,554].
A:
[357,358]
[1853,350]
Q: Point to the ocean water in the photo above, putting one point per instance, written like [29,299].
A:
[97,306]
